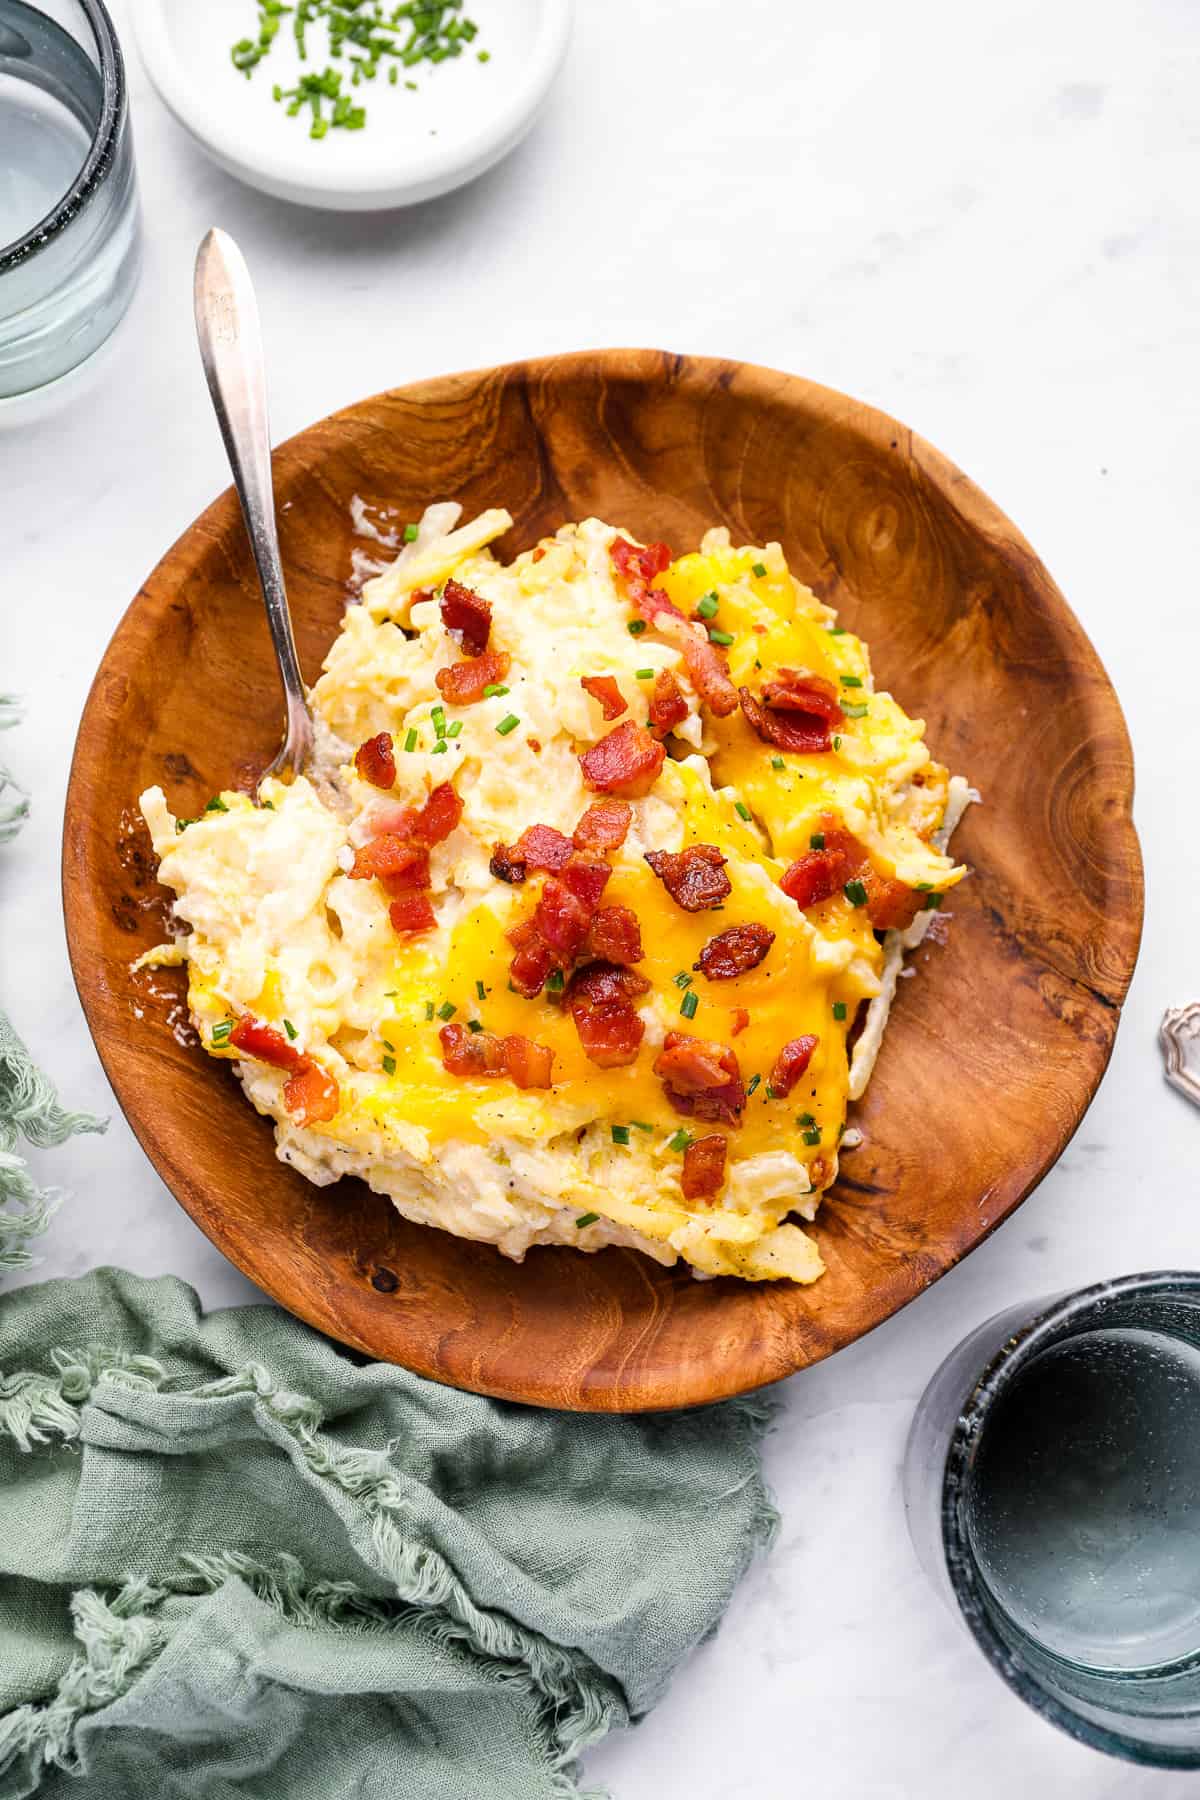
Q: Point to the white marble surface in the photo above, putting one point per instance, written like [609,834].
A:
[980,218]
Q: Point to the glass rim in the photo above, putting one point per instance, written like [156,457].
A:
[101,151]
[1015,1353]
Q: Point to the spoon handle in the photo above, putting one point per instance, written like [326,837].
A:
[227,327]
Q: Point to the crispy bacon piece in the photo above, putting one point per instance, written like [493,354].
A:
[734,952]
[818,874]
[265,1044]
[798,690]
[604,689]
[801,733]
[637,567]
[790,1065]
[603,826]
[311,1095]
[614,935]
[507,867]
[413,913]
[561,921]
[701,1079]
[739,1018]
[533,962]
[389,857]
[695,877]
[439,815]
[467,616]
[891,905]
[528,1063]
[600,999]
[375,762]
[704,1167]
[462,684]
[586,876]
[541,847]
[627,761]
[668,708]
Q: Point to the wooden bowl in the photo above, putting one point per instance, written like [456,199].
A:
[994,1050]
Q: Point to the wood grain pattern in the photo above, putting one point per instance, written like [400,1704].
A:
[994,1051]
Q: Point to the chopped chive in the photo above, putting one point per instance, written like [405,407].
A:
[923,887]
[640,1125]
[268,805]
[494,690]
[555,982]
[481,990]
[389,1065]
[817,841]
[811,1137]
[410,531]
[439,749]
[636,627]
[411,85]
[393,74]
[508,723]
[855,712]
[680,1141]
[644,674]
[758,569]
[454,727]
[932,902]
[620,1134]
[855,892]
[429,1009]
[483,55]
[753,1083]
[839,1009]
[181,825]
[221,1031]
[805,1121]
[742,810]
[586,1219]
[387,1045]
[836,630]
[689,1004]
[851,680]
[474,1025]
[410,739]
[707,608]
[216,804]
[724,638]
[291,1030]
[438,715]
[837,743]
[771,1094]
[682,980]
[777,762]
[446,1010]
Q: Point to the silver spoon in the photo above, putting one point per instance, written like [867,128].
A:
[231,351]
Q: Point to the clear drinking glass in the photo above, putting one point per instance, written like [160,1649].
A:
[69,222]
[1052,1481]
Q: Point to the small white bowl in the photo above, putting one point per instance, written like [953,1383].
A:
[463,117]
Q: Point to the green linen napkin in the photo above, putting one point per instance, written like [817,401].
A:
[236,1561]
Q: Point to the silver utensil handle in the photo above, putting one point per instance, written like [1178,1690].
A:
[227,327]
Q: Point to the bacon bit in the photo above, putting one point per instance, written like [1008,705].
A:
[411,914]
[600,998]
[798,690]
[734,952]
[668,707]
[739,1018]
[532,963]
[528,1063]
[695,878]
[614,935]
[375,762]
[604,826]
[462,684]
[701,1079]
[627,761]
[541,847]
[266,1044]
[604,689]
[818,874]
[537,554]
[708,669]
[507,867]
[439,815]
[311,1094]
[467,616]
[561,921]
[534,743]
[386,857]
[471,1052]
[586,876]
[704,1167]
[790,1065]
[392,821]
[891,905]
[760,629]
[801,733]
